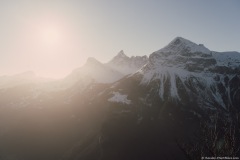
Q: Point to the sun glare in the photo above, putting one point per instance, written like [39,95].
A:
[49,41]
[50,35]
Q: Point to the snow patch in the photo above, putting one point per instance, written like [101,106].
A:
[119,98]
[228,59]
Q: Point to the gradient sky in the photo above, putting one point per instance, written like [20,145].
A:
[54,37]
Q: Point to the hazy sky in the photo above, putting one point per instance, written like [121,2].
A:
[53,37]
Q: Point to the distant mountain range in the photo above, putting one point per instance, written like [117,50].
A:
[115,69]
[135,107]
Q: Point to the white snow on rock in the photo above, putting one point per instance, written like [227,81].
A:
[119,98]
[228,59]
[180,44]
[163,73]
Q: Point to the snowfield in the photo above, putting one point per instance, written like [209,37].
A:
[119,98]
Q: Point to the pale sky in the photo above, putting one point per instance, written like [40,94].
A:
[52,37]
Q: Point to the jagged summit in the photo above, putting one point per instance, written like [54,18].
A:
[127,65]
[181,45]
[121,54]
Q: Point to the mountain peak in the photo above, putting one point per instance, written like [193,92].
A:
[125,64]
[121,54]
[178,39]
[182,53]
[179,45]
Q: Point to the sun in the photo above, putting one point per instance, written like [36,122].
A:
[50,35]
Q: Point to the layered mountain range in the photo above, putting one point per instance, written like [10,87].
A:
[135,107]
[115,69]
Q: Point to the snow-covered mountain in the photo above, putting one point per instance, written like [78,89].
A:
[188,73]
[127,65]
[95,71]
[182,86]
